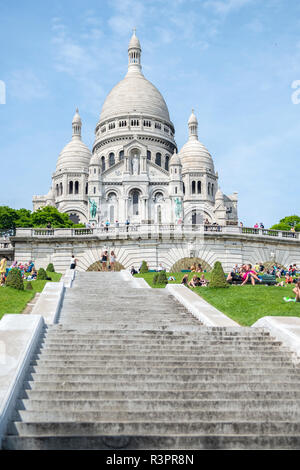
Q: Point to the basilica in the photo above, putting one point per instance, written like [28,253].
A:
[135,172]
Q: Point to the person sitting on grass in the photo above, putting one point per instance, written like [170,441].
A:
[185,280]
[204,282]
[250,274]
[195,281]
[296,291]
[193,268]
[171,278]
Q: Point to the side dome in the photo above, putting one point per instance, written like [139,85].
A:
[194,155]
[75,155]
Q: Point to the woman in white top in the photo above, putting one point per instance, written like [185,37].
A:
[112,260]
[73,262]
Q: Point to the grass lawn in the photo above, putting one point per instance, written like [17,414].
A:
[14,301]
[244,304]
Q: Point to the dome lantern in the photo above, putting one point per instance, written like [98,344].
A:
[134,54]
[76,126]
[193,126]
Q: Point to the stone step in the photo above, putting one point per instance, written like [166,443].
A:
[130,377]
[281,386]
[154,442]
[114,348]
[125,428]
[158,395]
[204,405]
[87,414]
[187,363]
[163,369]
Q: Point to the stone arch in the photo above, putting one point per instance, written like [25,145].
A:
[186,263]
[97,266]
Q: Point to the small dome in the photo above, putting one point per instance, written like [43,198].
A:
[76,118]
[192,118]
[134,42]
[195,156]
[74,155]
[219,195]
[175,160]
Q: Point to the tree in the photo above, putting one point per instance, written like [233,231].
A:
[42,217]
[144,268]
[162,278]
[14,279]
[41,275]
[218,278]
[50,268]
[8,218]
[24,218]
[287,223]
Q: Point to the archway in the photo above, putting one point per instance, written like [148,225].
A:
[97,266]
[186,263]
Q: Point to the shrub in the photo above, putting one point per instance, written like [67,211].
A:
[218,278]
[29,286]
[50,268]
[41,275]
[144,268]
[155,279]
[162,278]
[14,279]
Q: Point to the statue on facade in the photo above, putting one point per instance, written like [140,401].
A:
[93,208]
[178,209]
[135,165]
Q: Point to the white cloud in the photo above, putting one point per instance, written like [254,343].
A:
[25,85]
[224,7]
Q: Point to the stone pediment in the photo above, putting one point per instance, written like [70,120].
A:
[114,173]
[156,173]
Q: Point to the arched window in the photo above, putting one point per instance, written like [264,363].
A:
[212,189]
[86,188]
[135,202]
[61,188]
[183,188]
[111,159]
[167,162]
[121,155]
[199,187]
[71,187]
[208,188]
[148,155]
[103,163]
[95,169]
[193,187]
[158,159]
[94,189]
[76,187]
[175,189]
[57,190]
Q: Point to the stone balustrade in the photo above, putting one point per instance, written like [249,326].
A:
[141,229]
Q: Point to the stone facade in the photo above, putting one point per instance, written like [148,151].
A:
[134,171]
[164,245]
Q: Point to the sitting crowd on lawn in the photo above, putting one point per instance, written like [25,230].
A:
[27,270]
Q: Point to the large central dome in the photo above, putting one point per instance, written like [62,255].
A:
[134,94]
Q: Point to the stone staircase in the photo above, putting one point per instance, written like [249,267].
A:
[130,368]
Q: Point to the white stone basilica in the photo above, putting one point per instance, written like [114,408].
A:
[134,171]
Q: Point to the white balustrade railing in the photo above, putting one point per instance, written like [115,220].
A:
[163,229]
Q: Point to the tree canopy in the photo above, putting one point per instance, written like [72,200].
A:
[12,218]
[291,221]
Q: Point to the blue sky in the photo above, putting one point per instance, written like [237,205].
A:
[233,61]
